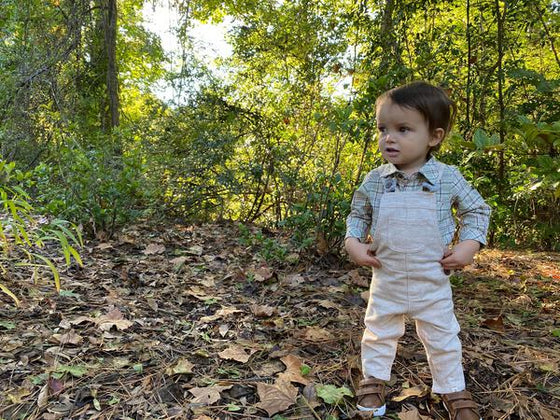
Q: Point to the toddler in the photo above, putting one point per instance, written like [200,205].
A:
[406,206]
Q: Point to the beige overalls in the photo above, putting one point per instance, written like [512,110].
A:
[411,281]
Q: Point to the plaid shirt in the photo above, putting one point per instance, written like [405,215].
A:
[455,192]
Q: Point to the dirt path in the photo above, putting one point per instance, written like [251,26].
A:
[191,323]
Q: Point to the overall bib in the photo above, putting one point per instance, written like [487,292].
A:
[411,281]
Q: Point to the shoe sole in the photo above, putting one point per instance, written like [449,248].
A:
[377,411]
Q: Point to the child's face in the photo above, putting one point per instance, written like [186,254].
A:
[404,136]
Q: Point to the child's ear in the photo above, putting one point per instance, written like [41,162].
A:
[437,137]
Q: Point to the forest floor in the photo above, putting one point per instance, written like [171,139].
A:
[193,323]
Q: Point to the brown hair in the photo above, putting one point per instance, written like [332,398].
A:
[431,101]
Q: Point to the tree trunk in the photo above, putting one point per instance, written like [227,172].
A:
[110,31]
[501,18]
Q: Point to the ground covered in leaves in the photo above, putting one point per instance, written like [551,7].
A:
[223,322]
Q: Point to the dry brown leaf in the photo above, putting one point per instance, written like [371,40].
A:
[81,319]
[365,295]
[237,353]
[43,398]
[183,366]
[415,391]
[412,415]
[293,280]
[268,369]
[223,329]
[277,397]
[293,370]
[317,334]
[263,311]
[327,304]
[178,261]
[262,274]
[495,324]
[207,395]
[69,338]
[113,318]
[223,312]
[153,249]
[16,396]
[195,250]
[357,279]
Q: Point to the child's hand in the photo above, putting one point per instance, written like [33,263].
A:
[461,255]
[361,253]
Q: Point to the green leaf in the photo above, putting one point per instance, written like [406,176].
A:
[330,394]
[7,325]
[138,367]
[233,407]
[480,139]
[304,370]
[556,332]
[77,371]
[9,293]
[69,293]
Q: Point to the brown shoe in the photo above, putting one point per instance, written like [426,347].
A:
[461,406]
[371,396]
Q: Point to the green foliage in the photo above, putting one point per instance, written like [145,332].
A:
[283,132]
[267,248]
[26,238]
[92,187]
[331,394]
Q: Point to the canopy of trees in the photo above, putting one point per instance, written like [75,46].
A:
[274,140]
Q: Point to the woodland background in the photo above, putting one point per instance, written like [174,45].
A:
[194,242]
[267,139]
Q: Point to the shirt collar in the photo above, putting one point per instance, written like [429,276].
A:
[430,170]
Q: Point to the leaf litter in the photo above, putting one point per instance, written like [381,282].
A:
[190,323]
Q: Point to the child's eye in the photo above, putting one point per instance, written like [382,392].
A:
[381,129]
[404,129]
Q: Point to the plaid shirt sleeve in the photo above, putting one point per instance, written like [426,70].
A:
[358,222]
[473,213]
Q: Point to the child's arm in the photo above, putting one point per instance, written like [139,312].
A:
[474,217]
[360,253]
[460,255]
[358,225]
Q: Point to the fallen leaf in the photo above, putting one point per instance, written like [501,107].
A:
[207,395]
[263,311]
[237,353]
[178,262]
[293,370]
[195,250]
[17,395]
[415,391]
[332,394]
[412,415]
[277,397]
[220,313]
[357,279]
[183,366]
[495,324]
[43,398]
[262,274]
[113,318]
[223,329]
[153,249]
[327,304]
[69,338]
[317,334]
[293,280]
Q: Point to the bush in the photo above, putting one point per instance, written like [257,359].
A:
[24,235]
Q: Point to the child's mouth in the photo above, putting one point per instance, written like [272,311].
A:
[391,150]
